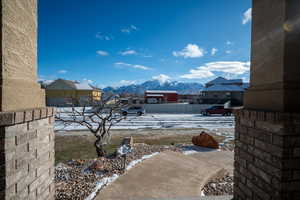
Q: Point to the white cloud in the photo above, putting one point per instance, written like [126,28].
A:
[125,30]
[62,71]
[247,16]
[128,52]
[133,27]
[162,78]
[142,67]
[190,51]
[197,74]
[85,80]
[206,70]
[213,51]
[229,43]
[228,51]
[129,29]
[102,36]
[102,53]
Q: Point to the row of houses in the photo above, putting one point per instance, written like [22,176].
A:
[218,91]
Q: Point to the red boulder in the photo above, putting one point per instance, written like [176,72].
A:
[97,166]
[205,140]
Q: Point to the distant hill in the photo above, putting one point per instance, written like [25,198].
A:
[180,87]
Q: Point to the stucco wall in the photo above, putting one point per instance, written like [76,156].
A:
[19,87]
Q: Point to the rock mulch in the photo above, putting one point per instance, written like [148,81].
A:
[77,179]
[219,186]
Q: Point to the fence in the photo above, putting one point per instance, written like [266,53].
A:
[178,108]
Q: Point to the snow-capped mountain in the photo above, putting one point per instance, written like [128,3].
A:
[180,87]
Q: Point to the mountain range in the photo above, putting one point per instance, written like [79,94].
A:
[180,87]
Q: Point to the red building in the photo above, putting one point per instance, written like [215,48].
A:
[161,96]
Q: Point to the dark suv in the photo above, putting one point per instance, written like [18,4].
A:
[217,110]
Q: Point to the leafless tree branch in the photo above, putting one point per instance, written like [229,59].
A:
[98,120]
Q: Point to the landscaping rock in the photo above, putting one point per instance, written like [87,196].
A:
[219,186]
[97,165]
[205,140]
[74,182]
[128,141]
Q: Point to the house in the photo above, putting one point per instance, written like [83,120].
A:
[224,81]
[67,93]
[189,98]
[161,96]
[221,90]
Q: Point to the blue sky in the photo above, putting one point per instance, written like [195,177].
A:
[117,42]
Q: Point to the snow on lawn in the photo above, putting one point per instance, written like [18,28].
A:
[69,109]
[165,121]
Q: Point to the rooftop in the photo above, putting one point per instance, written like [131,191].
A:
[74,85]
[221,80]
[219,88]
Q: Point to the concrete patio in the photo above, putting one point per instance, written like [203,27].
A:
[169,175]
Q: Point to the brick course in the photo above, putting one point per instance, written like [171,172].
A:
[27,154]
[267,161]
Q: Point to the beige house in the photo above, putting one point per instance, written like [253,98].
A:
[67,93]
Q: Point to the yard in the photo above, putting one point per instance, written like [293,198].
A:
[81,146]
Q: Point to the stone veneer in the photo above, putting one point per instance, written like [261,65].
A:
[267,155]
[27,154]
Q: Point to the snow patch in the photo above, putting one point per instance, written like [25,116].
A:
[159,121]
[133,163]
[108,180]
[202,194]
[102,183]
[188,150]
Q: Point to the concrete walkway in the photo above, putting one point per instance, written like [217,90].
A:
[228,197]
[222,159]
[168,175]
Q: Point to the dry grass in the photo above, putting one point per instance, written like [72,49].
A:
[81,147]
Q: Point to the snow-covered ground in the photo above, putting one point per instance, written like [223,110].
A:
[165,121]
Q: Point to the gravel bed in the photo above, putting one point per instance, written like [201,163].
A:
[77,179]
[219,186]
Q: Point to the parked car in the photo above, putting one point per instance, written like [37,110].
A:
[217,110]
[133,110]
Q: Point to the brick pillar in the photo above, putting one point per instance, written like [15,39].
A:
[27,154]
[267,150]
[26,125]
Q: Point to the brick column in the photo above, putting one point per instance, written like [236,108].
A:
[267,150]
[26,125]
[27,154]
